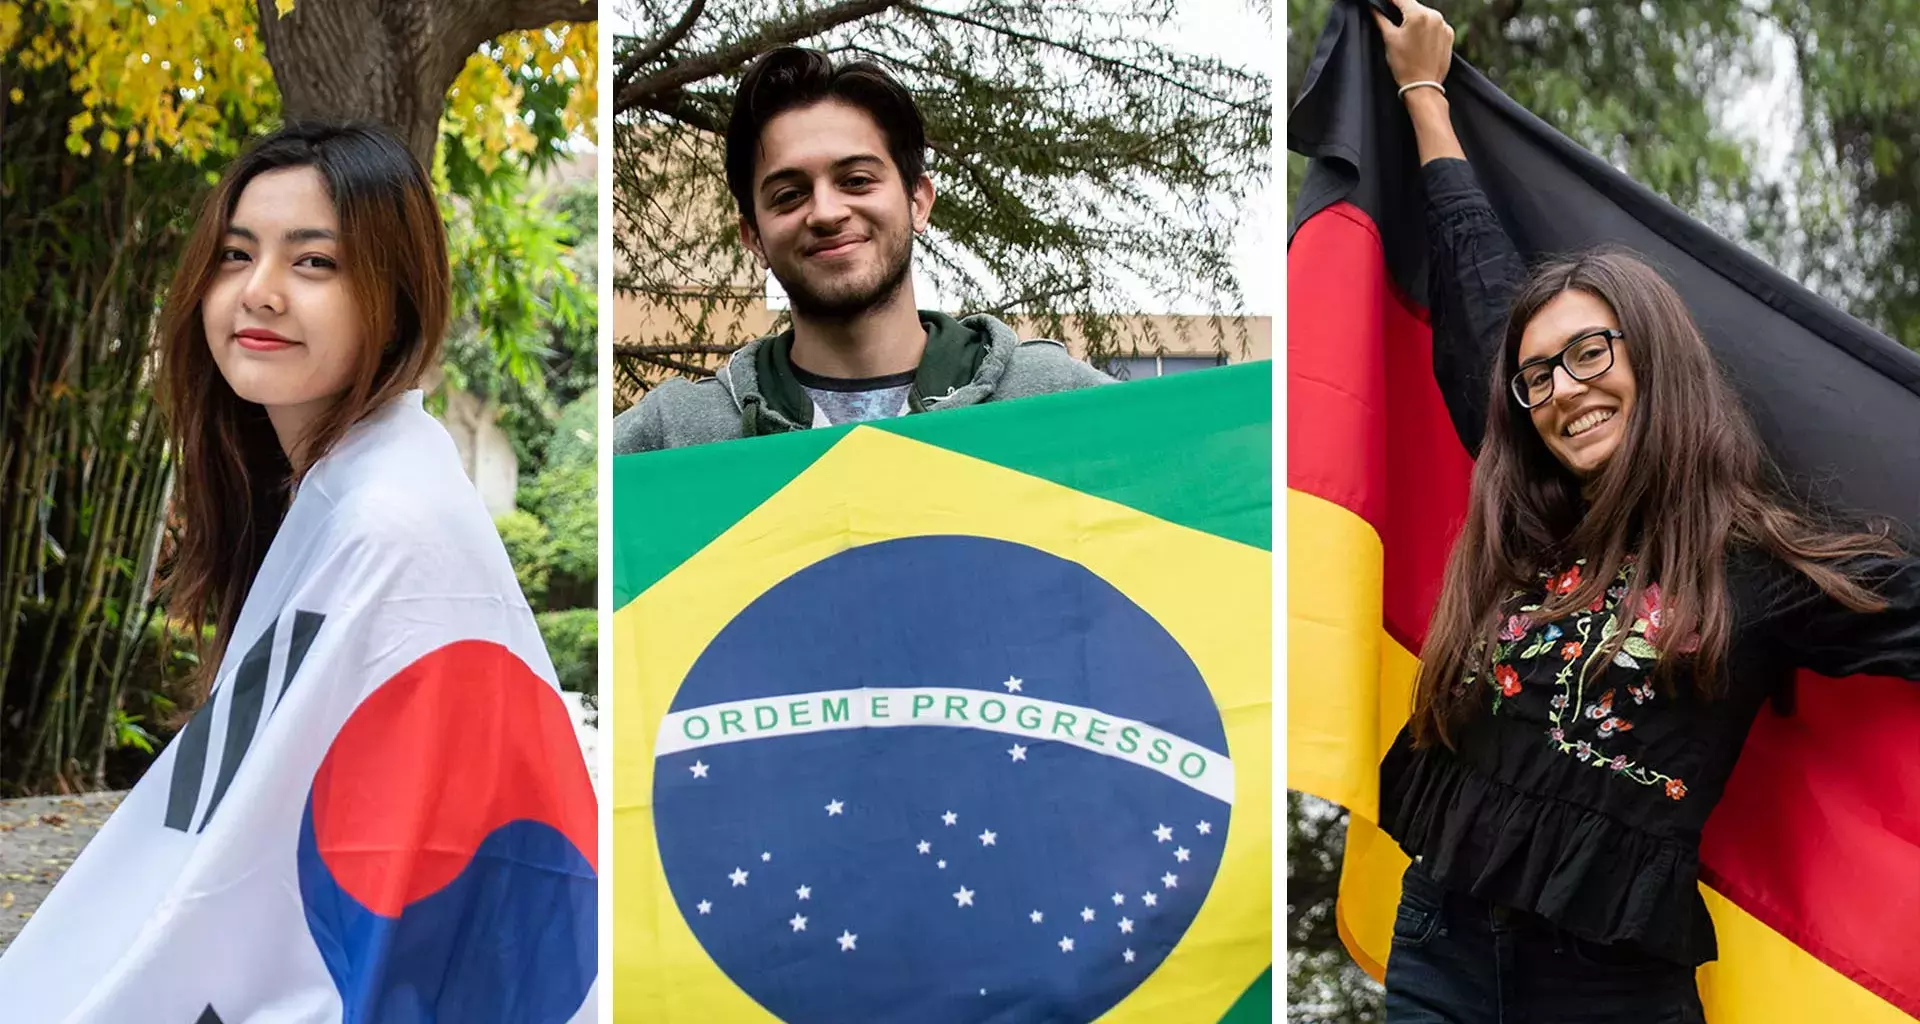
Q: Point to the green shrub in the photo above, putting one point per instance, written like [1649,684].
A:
[564,495]
[573,641]
[530,548]
[573,441]
[563,498]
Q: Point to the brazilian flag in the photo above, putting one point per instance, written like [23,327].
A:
[953,717]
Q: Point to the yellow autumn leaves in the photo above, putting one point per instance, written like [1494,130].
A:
[150,78]
[484,104]
[166,75]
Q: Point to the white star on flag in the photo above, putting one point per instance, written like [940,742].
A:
[1128,954]
[1018,753]
[805,892]
[963,898]
[739,878]
[765,857]
[1163,833]
[1204,828]
[1036,917]
[924,847]
[1180,855]
[1012,684]
[1150,899]
[987,837]
[1170,880]
[699,769]
[834,807]
[941,864]
[1066,944]
[1118,899]
[949,818]
[1086,913]
[846,940]
[1126,925]
[706,907]
[799,923]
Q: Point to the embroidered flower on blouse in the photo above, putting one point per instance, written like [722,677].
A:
[1650,609]
[1587,634]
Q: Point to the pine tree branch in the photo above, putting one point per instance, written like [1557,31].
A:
[653,51]
[1072,289]
[738,52]
[1101,59]
[666,363]
[679,106]
[635,351]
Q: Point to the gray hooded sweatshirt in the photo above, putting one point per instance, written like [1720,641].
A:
[978,359]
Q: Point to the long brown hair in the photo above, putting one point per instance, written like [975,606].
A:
[234,480]
[1689,478]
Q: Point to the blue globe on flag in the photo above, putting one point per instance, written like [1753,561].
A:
[941,778]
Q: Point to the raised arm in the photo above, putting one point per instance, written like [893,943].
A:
[1820,633]
[1473,267]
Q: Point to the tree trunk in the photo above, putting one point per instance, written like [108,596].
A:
[391,60]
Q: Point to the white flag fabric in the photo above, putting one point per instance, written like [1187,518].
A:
[382,815]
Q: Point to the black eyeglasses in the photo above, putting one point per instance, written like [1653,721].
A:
[1585,358]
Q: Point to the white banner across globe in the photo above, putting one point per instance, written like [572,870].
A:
[1024,717]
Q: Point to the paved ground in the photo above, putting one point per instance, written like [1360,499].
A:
[39,837]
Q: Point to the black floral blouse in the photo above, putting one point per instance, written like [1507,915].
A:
[1581,792]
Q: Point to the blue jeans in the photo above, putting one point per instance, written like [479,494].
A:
[1458,959]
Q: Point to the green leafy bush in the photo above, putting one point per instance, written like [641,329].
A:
[573,641]
[564,496]
[530,549]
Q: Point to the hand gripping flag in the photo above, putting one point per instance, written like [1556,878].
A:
[1811,861]
[382,814]
[957,717]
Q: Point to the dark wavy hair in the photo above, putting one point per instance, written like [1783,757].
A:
[234,480]
[1689,479]
[792,77]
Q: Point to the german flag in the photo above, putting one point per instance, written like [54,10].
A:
[1811,862]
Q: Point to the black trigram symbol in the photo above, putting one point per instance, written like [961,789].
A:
[248,700]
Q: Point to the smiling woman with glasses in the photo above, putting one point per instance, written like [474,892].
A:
[1628,589]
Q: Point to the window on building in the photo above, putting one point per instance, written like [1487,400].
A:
[1144,367]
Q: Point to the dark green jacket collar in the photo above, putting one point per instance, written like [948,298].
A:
[953,356]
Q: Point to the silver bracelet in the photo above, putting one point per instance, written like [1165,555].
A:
[1422,85]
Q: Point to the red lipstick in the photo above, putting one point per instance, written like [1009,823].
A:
[259,339]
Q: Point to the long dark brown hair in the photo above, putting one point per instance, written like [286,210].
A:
[1689,479]
[234,480]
